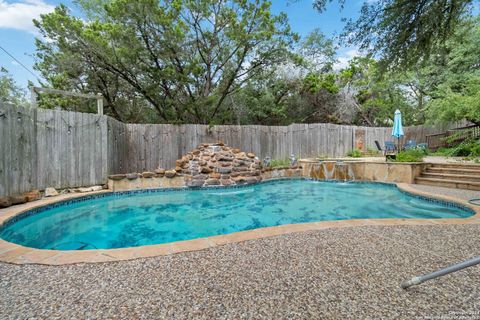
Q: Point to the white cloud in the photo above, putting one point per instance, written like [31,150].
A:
[344,59]
[19,15]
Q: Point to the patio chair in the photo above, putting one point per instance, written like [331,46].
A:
[423,146]
[411,144]
[390,147]
[389,151]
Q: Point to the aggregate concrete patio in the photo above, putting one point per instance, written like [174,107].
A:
[350,273]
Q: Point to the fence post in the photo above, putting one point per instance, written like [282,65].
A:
[99,103]
[33,97]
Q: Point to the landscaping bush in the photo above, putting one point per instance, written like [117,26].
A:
[355,153]
[410,155]
[469,148]
[278,163]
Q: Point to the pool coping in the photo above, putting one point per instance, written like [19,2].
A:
[17,254]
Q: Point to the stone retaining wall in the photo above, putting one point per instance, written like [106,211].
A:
[142,181]
[394,172]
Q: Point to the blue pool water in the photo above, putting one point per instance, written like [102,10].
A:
[135,219]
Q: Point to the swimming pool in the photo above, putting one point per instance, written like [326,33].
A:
[130,219]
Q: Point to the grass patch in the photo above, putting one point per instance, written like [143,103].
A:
[410,155]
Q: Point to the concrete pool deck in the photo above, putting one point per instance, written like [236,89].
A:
[346,273]
[17,254]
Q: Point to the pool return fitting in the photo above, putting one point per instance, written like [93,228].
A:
[441,272]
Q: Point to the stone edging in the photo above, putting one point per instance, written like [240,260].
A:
[17,254]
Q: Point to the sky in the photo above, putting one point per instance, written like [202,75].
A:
[17,32]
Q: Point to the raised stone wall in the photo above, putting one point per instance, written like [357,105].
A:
[394,172]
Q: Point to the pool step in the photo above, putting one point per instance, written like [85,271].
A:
[449,175]
[470,166]
[453,171]
[457,184]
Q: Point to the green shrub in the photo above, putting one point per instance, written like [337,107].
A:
[355,153]
[373,151]
[469,148]
[277,163]
[410,155]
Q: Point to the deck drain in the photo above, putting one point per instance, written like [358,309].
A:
[475,201]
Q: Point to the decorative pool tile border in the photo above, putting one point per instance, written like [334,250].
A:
[17,254]
[444,203]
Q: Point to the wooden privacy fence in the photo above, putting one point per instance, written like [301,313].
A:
[42,148]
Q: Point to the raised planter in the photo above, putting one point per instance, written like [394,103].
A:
[393,172]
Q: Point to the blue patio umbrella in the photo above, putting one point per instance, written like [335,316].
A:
[397,131]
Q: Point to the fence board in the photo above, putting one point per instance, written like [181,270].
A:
[49,148]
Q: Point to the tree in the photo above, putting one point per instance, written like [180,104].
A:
[456,94]
[181,58]
[10,91]
[403,32]
[376,95]
[317,52]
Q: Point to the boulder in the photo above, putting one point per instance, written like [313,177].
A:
[160,171]
[206,170]
[200,177]
[224,170]
[51,192]
[212,182]
[224,182]
[5,202]
[215,175]
[196,183]
[148,174]
[18,199]
[33,195]
[117,176]
[170,173]
[84,189]
[97,188]
[132,176]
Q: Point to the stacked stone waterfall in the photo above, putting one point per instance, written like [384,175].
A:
[215,164]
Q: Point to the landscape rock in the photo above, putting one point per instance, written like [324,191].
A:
[206,170]
[132,176]
[196,183]
[212,182]
[215,175]
[5,202]
[148,174]
[33,195]
[160,172]
[97,188]
[51,192]
[224,170]
[170,173]
[18,199]
[117,176]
